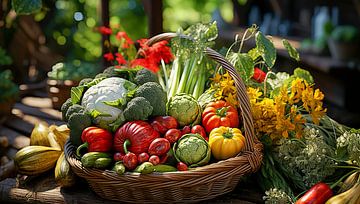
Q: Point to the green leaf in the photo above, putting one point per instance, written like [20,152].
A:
[243,63]
[254,53]
[95,113]
[26,7]
[293,53]
[94,82]
[304,74]
[76,94]
[266,48]
[118,103]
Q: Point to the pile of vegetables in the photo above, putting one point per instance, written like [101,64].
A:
[141,119]
[46,152]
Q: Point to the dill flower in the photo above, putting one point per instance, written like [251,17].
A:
[350,142]
[306,160]
[276,196]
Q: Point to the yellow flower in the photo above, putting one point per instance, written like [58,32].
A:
[216,78]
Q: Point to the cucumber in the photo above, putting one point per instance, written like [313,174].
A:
[119,168]
[143,166]
[158,168]
[164,168]
[102,163]
[88,160]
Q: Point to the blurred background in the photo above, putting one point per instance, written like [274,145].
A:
[325,32]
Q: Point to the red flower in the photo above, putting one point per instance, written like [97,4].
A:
[142,43]
[259,75]
[109,56]
[105,30]
[120,59]
[122,35]
[146,63]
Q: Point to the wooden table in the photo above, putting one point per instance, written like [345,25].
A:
[43,189]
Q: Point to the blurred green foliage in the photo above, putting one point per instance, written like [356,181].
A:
[179,13]
[8,89]
[73,70]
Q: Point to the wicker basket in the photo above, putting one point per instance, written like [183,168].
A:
[202,183]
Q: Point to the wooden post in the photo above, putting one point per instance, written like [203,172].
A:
[153,10]
[105,18]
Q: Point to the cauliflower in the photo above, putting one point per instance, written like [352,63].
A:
[153,93]
[105,101]
[138,109]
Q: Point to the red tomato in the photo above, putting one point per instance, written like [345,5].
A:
[155,160]
[159,146]
[130,161]
[199,130]
[185,130]
[143,157]
[259,75]
[173,135]
[181,166]
[164,123]
[219,113]
[118,156]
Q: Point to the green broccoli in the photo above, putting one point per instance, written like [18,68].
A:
[145,75]
[76,108]
[110,71]
[64,108]
[138,109]
[157,97]
[85,81]
[101,75]
[77,123]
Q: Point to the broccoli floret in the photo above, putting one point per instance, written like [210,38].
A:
[110,71]
[153,93]
[85,81]
[64,108]
[145,75]
[100,75]
[77,123]
[138,109]
[76,108]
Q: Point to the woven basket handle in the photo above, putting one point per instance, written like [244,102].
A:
[239,84]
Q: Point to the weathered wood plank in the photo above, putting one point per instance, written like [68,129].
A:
[16,140]
[47,113]
[25,123]
[37,102]
[7,170]
[81,194]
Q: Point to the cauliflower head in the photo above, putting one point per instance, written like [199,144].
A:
[106,100]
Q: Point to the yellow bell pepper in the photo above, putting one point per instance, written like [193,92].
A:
[226,142]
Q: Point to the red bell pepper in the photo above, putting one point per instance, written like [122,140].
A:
[134,136]
[318,194]
[95,140]
[259,75]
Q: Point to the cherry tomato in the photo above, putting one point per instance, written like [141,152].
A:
[155,160]
[130,161]
[185,130]
[181,166]
[118,156]
[173,135]
[143,157]
[199,130]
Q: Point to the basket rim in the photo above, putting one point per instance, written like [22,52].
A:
[214,168]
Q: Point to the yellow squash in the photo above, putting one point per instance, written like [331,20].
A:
[64,176]
[39,135]
[33,160]
[226,142]
[58,135]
